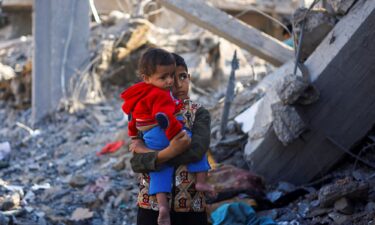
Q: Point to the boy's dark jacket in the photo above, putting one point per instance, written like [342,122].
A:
[144,102]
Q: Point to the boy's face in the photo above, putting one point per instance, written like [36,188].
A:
[181,83]
[162,78]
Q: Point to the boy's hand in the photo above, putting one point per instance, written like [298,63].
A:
[180,143]
[137,146]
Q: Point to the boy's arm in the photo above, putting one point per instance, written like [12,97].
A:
[200,141]
[144,162]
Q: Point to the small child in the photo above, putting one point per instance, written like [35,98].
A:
[152,109]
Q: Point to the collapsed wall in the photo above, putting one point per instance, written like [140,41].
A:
[341,69]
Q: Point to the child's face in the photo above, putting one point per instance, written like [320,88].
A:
[181,83]
[162,78]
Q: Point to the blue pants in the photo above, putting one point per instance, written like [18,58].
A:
[161,181]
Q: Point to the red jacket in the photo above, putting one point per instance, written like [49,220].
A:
[143,102]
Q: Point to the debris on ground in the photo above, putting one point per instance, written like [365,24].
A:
[73,166]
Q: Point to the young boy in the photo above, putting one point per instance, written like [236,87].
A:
[152,110]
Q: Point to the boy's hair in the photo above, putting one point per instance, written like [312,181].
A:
[180,61]
[152,58]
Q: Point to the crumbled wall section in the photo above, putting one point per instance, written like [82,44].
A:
[342,70]
[61,31]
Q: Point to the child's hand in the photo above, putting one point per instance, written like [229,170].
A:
[137,146]
[180,143]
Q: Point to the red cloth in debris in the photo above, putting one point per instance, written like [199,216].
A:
[144,101]
[111,147]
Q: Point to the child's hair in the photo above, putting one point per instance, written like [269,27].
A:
[152,58]
[180,61]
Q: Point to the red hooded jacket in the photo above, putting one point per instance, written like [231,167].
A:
[143,102]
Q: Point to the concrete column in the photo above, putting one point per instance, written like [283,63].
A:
[61,32]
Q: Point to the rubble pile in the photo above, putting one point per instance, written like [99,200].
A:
[56,174]
[73,166]
[79,186]
[15,71]
[345,196]
[56,177]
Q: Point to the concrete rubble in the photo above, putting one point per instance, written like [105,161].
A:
[341,7]
[53,171]
[287,124]
[317,24]
[302,160]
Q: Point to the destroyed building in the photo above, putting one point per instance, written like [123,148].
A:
[300,114]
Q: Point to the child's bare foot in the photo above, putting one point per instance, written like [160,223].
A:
[163,218]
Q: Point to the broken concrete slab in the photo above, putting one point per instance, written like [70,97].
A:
[341,69]
[318,23]
[339,218]
[284,7]
[341,7]
[329,194]
[343,205]
[60,51]
[291,88]
[287,124]
[224,25]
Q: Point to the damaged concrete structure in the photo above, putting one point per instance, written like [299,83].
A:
[224,25]
[341,116]
[18,18]
[296,129]
[60,49]
[252,12]
[341,69]
[324,127]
